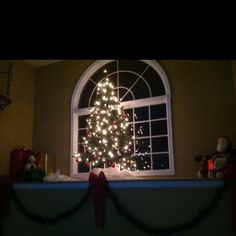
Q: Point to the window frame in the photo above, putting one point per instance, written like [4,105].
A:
[76,112]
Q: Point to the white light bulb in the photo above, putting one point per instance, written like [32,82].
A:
[110,154]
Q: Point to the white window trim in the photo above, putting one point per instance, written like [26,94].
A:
[75,111]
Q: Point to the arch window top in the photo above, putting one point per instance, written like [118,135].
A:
[132,80]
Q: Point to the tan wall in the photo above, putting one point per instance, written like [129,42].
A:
[16,121]
[203,108]
[234,75]
[54,88]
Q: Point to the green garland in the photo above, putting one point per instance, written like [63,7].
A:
[50,220]
[201,216]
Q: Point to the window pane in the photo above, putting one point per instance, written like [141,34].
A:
[160,144]
[83,122]
[86,93]
[124,96]
[127,79]
[143,162]
[155,82]
[141,113]
[142,129]
[160,161]
[132,65]
[100,74]
[142,145]
[83,167]
[141,90]
[80,148]
[159,127]
[82,133]
[158,111]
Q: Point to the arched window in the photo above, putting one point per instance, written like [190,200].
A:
[143,89]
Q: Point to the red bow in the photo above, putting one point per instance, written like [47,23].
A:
[98,184]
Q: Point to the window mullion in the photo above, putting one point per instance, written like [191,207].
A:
[134,132]
[150,135]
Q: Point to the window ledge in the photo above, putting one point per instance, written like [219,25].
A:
[139,184]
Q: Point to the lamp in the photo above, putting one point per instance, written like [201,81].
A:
[6,78]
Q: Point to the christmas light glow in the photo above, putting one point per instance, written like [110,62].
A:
[107,140]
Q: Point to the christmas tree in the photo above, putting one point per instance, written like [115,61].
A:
[108,141]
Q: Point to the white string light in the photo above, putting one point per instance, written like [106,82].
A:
[107,140]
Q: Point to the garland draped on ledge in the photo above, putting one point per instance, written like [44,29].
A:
[202,215]
[50,220]
[100,189]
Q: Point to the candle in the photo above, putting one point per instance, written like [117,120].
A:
[46,163]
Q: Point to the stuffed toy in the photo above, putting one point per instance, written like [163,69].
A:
[214,166]
[203,171]
[30,163]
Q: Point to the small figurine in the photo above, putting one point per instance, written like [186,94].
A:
[30,163]
[214,166]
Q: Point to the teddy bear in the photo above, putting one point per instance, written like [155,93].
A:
[214,166]
[30,163]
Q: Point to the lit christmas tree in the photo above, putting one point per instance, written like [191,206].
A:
[107,141]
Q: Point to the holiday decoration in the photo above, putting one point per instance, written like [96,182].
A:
[100,190]
[30,163]
[31,170]
[107,141]
[217,165]
[20,163]
[99,186]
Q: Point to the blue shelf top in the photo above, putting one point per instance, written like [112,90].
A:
[137,184]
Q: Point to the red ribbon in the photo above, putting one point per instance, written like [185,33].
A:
[4,196]
[98,184]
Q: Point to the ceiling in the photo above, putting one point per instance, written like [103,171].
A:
[40,63]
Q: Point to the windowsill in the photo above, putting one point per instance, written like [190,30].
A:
[124,184]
